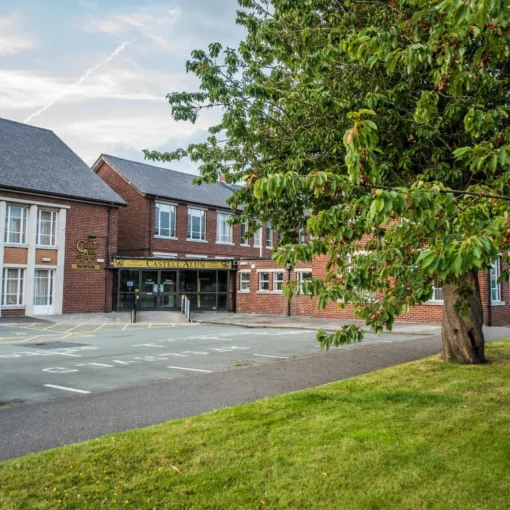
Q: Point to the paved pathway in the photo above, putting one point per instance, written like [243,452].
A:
[252,320]
[34,427]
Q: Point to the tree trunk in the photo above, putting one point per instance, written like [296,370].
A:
[463,339]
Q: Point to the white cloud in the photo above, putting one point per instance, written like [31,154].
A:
[154,26]
[11,41]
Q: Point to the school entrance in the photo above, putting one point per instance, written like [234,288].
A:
[159,284]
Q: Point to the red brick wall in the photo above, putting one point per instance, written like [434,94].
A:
[15,255]
[274,303]
[84,290]
[134,220]
[137,224]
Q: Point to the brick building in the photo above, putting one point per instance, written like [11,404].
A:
[58,227]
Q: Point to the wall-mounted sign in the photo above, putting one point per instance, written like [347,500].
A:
[172,263]
[86,250]
[86,266]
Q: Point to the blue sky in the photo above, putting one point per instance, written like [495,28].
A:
[128,54]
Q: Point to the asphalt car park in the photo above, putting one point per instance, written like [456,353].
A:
[40,362]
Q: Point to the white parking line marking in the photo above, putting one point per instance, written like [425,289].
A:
[121,362]
[271,356]
[94,364]
[192,369]
[174,354]
[65,389]
[59,370]
[148,345]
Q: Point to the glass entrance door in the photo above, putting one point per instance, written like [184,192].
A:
[149,290]
[43,291]
[168,290]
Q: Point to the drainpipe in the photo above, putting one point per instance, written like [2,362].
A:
[489,318]
[289,269]
[151,205]
[108,252]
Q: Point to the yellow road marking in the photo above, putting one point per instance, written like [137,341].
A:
[102,326]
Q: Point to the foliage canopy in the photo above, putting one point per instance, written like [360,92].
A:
[366,122]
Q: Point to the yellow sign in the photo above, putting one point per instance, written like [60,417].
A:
[173,264]
[86,250]
[85,266]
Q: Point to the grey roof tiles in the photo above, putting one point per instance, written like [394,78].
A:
[35,159]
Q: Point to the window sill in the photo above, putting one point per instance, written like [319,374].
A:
[246,246]
[497,303]
[167,237]
[225,243]
[265,292]
[44,247]
[243,292]
[196,240]
[15,245]
[13,307]
[431,302]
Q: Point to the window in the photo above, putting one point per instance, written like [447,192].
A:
[16,224]
[223,229]
[196,256]
[196,224]
[46,227]
[301,277]
[12,292]
[163,255]
[244,231]
[165,220]
[256,238]
[437,294]
[244,282]
[278,281]
[269,235]
[263,281]
[302,236]
[495,286]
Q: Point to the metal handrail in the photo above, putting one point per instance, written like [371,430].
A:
[186,307]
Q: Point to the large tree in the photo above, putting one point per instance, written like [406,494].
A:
[381,126]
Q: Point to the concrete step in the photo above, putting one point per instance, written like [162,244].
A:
[161,318]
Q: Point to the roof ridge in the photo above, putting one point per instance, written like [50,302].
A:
[147,164]
[26,125]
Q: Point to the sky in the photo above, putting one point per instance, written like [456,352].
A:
[96,72]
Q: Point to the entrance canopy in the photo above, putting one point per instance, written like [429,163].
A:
[160,284]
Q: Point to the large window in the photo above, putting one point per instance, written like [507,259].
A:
[12,289]
[244,282]
[256,238]
[223,229]
[495,286]
[165,220]
[46,227]
[278,281]
[263,281]
[196,224]
[437,294]
[302,276]
[244,232]
[269,235]
[16,224]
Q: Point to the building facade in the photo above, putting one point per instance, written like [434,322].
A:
[58,227]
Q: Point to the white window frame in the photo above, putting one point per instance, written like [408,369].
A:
[269,235]
[20,291]
[257,238]
[437,295]
[302,236]
[191,256]
[22,235]
[241,282]
[277,281]
[263,280]
[164,255]
[203,213]
[223,229]
[496,291]
[244,240]
[172,212]
[53,228]
[299,275]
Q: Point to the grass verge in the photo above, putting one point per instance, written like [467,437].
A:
[420,435]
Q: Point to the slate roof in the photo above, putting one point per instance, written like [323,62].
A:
[36,159]
[164,183]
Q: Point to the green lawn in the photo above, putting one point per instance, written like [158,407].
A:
[421,435]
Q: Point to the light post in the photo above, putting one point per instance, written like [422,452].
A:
[289,269]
